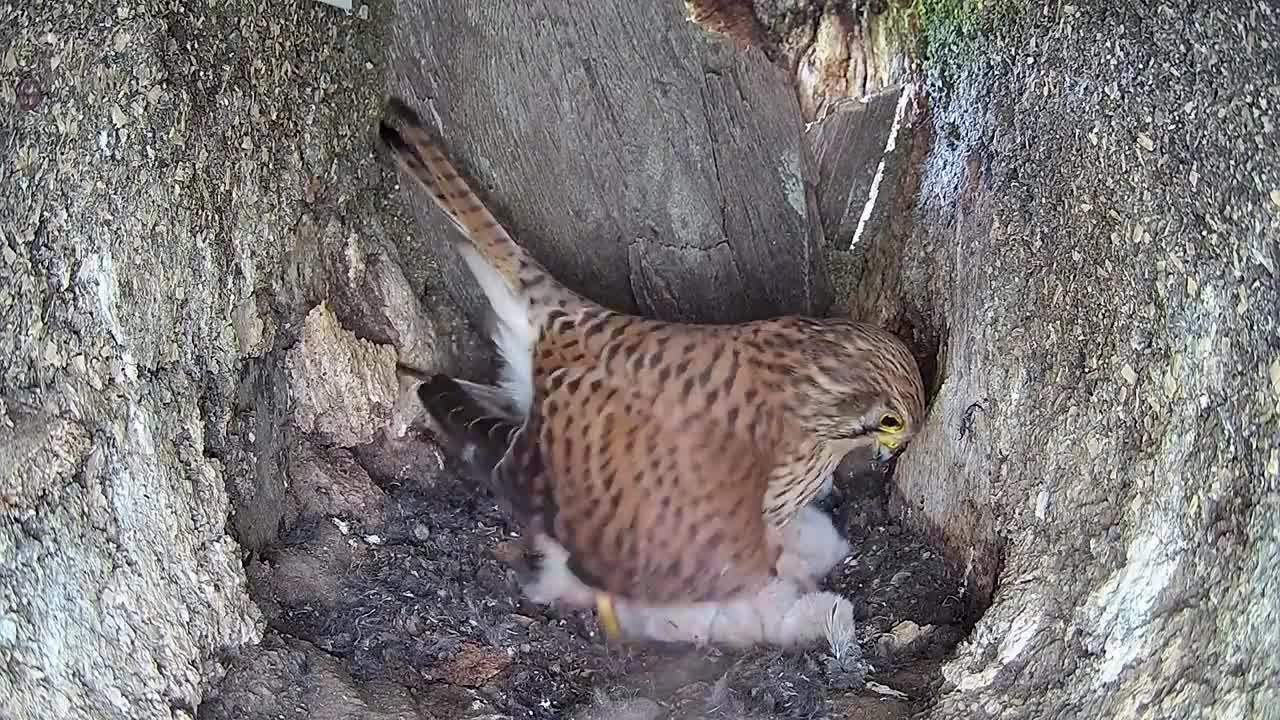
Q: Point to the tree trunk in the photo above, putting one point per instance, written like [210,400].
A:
[1089,238]
[650,167]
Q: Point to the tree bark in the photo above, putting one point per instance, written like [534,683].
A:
[648,166]
[1093,254]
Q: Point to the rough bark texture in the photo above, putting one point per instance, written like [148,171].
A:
[1095,248]
[653,168]
[849,145]
[831,50]
[181,184]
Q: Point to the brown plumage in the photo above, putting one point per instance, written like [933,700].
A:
[663,457]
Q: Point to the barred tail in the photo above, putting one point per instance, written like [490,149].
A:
[414,150]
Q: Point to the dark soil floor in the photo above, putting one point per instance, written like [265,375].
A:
[409,608]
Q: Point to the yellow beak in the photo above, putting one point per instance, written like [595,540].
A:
[885,446]
[608,619]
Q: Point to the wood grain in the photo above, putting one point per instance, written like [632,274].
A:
[645,162]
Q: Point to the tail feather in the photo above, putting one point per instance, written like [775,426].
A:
[519,290]
[421,157]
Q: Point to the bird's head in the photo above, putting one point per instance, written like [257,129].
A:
[861,386]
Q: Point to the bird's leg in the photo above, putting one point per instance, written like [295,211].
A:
[811,546]
[553,582]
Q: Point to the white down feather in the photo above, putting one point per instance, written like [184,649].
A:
[512,332]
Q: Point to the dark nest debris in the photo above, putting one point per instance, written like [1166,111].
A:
[403,607]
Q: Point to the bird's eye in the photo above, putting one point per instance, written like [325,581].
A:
[890,422]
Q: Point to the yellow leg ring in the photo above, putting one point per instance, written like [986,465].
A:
[608,619]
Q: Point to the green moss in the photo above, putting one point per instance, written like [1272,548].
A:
[845,267]
[949,33]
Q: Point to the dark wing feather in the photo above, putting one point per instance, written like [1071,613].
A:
[495,451]
[472,433]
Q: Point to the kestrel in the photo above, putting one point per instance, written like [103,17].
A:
[664,458]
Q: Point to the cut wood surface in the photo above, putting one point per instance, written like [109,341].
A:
[645,164]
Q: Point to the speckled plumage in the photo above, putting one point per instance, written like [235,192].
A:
[665,458]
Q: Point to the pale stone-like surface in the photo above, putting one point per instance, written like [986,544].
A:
[115,564]
[343,387]
[169,174]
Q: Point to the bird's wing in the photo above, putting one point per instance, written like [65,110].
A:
[472,431]
[656,504]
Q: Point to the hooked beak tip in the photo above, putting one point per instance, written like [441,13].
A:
[886,449]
